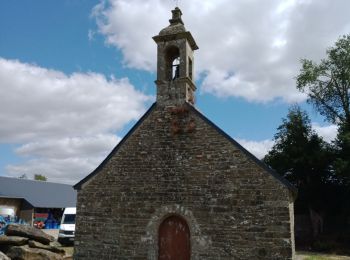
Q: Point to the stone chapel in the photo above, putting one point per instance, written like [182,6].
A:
[177,187]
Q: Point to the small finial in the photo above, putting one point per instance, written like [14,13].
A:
[176,16]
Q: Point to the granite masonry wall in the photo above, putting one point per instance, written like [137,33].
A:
[176,162]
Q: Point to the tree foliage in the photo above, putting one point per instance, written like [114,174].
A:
[342,155]
[302,157]
[39,177]
[327,84]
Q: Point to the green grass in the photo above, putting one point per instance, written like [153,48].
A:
[318,256]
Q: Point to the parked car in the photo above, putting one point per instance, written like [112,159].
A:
[67,229]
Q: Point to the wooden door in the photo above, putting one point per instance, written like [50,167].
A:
[174,239]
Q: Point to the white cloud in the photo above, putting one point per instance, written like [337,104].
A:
[247,49]
[91,35]
[65,124]
[84,146]
[64,160]
[329,132]
[261,148]
[68,170]
[258,148]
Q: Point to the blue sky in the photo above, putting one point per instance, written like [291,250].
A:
[76,75]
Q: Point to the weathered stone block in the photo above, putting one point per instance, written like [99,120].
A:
[13,240]
[3,256]
[27,253]
[39,245]
[29,232]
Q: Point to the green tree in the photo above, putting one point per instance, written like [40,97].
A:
[299,154]
[303,158]
[327,85]
[342,156]
[39,177]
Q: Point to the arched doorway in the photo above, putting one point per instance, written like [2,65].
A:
[174,239]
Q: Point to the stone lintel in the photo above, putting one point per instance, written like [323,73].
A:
[172,37]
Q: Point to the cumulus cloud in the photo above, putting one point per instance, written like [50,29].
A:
[328,132]
[91,35]
[64,160]
[261,148]
[258,148]
[67,170]
[247,49]
[64,124]
[84,146]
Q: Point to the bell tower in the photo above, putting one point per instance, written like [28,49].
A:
[175,60]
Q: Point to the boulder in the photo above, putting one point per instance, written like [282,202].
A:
[29,232]
[3,256]
[27,253]
[35,244]
[4,248]
[13,240]
[55,244]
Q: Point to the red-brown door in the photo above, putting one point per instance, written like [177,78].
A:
[174,239]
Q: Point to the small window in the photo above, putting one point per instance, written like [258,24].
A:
[190,68]
[176,68]
[68,219]
[172,59]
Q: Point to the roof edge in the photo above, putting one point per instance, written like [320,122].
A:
[36,181]
[17,198]
[115,149]
[280,178]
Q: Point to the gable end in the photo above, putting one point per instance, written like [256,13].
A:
[79,185]
[268,169]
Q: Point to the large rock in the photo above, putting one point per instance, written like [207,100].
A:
[39,245]
[3,256]
[55,244]
[27,253]
[13,240]
[29,232]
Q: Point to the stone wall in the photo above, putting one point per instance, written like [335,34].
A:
[176,162]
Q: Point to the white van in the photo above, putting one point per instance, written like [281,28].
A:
[67,229]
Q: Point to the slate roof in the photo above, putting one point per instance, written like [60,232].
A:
[268,169]
[40,194]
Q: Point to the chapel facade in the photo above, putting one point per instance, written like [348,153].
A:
[178,187]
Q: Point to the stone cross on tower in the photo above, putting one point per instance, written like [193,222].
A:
[175,59]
